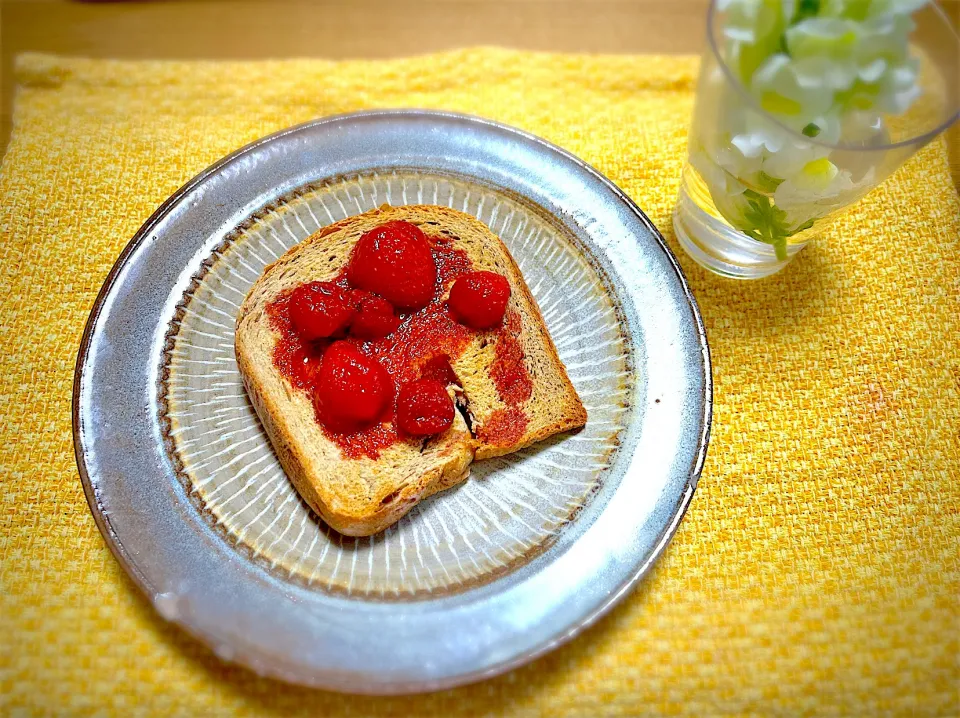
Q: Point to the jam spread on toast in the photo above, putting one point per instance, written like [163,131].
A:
[510,376]
[504,427]
[373,347]
[509,373]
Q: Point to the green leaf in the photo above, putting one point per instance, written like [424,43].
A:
[780,247]
[805,9]
[767,222]
[782,47]
[856,10]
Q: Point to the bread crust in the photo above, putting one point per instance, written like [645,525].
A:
[360,497]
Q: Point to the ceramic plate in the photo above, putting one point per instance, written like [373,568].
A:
[534,547]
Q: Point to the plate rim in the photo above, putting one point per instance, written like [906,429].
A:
[567,633]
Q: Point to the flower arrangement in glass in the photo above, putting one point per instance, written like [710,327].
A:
[803,106]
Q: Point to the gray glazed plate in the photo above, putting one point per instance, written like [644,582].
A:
[529,551]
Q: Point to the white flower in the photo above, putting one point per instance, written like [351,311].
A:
[819,189]
[899,89]
[794,156]
[750,21]
[827,71]
[824,74]
[780,91]
[815,176]
[826,37]
[752,31]
[766,147]
[872,71]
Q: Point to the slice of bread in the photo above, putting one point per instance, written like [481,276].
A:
[361,496]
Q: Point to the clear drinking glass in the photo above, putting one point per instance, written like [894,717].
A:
[802,107]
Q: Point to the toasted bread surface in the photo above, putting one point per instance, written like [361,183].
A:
[361,496]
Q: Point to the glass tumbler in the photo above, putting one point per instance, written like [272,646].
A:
[802,107]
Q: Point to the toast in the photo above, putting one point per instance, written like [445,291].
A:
[360,496]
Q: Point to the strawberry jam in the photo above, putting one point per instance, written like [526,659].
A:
[508,371]
[439,368]
[384,351]
[429,336]
[510,376]
[504,427]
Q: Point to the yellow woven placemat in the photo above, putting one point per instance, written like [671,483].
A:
[818,569]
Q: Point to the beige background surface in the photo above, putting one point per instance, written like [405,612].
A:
[336,29]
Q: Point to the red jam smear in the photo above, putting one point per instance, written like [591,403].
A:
[425,335]
[424,345]
[508,371]
[294,357]
[510,376]
[439,368]
[504,427]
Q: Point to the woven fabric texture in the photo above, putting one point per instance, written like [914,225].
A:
[818,569]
